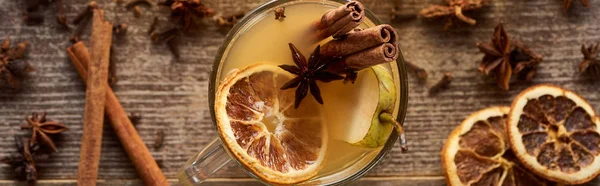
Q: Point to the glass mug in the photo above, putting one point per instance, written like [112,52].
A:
[214,156]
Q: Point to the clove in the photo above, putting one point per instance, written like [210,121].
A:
[60,13]
[137,12]
[280,13]
[112,70]
[173,47]
[444,83]
[420,72]
[33,18]
[160,137]
[6,43]
[164,36]
[120,29]
[153,26]
[86,13]
[135,118]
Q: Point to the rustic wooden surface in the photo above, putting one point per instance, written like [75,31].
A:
[172,96]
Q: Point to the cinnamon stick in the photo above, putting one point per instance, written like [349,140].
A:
[360,40]
[339,21]
[91,141]
[383,53]
[137,151]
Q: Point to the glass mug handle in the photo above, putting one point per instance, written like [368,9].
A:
[201,166]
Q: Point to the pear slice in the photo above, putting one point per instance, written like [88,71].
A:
[362,113]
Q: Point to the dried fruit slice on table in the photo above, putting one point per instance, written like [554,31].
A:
[477,153]
[556,134]
[261,128]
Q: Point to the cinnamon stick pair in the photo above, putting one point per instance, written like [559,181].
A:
[339,21]
[93,69]
[365,48]
[137,151]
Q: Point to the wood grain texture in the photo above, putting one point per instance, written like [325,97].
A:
[172,96]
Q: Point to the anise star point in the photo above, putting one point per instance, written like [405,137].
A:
[40,128]
[308,73]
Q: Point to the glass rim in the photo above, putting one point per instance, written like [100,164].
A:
[402,102]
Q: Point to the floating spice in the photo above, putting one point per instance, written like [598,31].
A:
[453,11]
[12,69]
[590,64]
[444,83]
[307,75]
[505,56]
[280,13]
[339,21]
[41,128]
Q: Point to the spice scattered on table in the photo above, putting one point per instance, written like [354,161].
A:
[135,118]
[280,13]
[82,21]
[590,64]
[25,159]
[505,56]
[229,20]
[453,11]
[444,83]
[417,70]
[158,140]
[34,13]
[187,13]
[568,3]
[42,128]
[12,68]
[135,6]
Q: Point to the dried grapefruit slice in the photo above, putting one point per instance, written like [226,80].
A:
[261,128]
[556,134]
[477,153]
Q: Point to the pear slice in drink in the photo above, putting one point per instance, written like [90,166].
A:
[361,114]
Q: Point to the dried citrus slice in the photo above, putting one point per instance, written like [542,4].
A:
[261,128]
[477,153]
[556,134]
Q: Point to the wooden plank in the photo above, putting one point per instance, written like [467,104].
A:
[172,96]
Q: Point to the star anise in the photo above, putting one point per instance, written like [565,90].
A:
[41,127]
[590,63]
[567,4]
[24,161]
[188,12]
[505,56]
[308,74]
[12,70]
[454,11]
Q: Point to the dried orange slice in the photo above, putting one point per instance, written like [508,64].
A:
[261,128]
[556,134]
[477,153]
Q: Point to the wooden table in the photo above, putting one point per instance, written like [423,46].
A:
[172,96]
